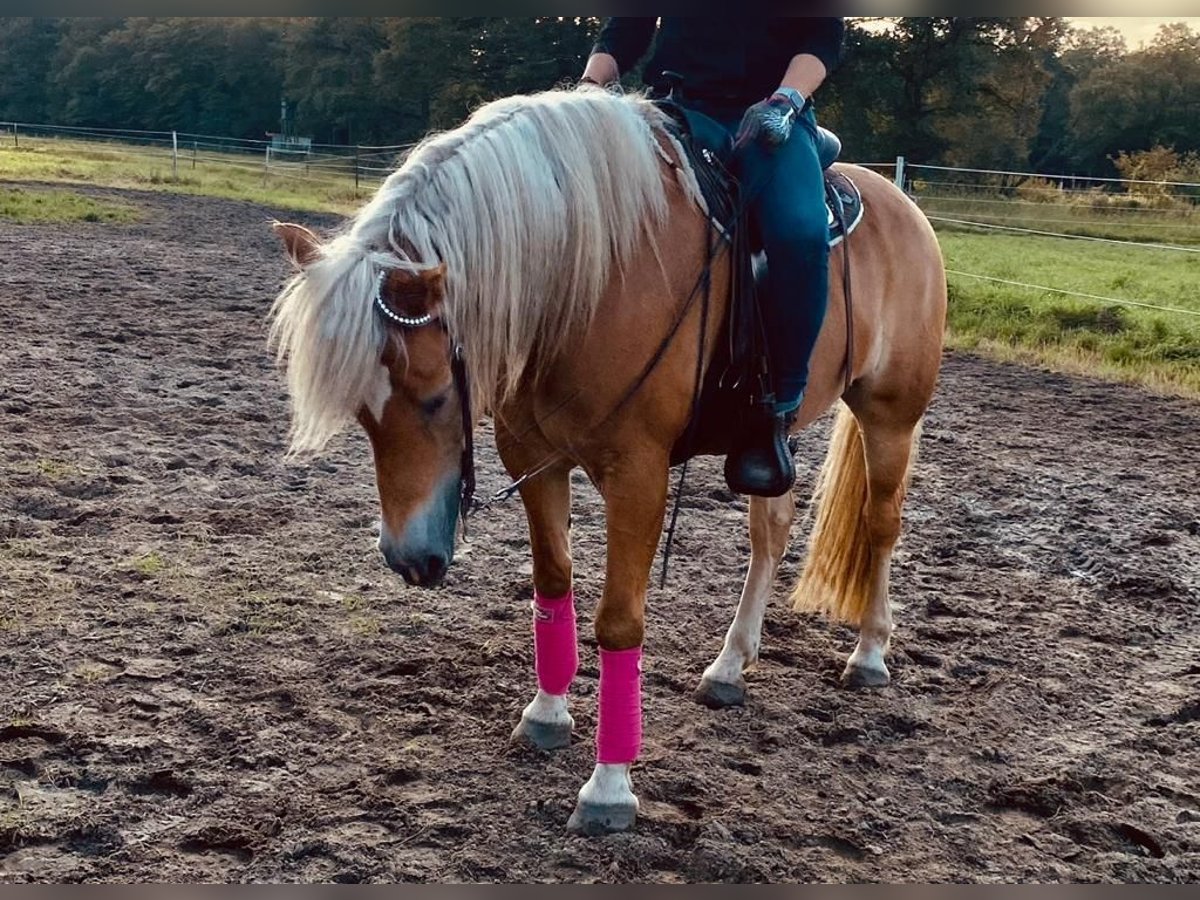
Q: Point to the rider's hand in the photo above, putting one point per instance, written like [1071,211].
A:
[769,121]
[601,72]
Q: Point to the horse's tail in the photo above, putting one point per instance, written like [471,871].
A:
[837,574]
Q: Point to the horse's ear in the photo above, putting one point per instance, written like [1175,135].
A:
[302,245]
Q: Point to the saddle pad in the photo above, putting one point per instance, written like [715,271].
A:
[842,193]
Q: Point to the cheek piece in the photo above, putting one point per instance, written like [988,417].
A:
[619,731]
[554,651]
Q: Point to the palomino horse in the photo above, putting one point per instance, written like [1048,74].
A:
[552,242]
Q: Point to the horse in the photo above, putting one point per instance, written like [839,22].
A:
[537,263]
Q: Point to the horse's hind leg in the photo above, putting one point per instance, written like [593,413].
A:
[889,451]
[860,496]
[770,526]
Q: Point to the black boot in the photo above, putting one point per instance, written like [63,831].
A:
[761,462]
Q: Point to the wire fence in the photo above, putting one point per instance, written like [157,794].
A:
[1149,221]
[187,151]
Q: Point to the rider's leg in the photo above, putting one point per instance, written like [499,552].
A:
[787,189]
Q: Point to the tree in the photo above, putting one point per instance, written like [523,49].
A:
[989,92]
[26,55]
[861,100]
[329,72]
[1138,101]
[945,89]
[94,81]
[1012,69]
[435,71]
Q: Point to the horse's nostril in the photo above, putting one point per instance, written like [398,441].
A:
[435,569]
[424,570]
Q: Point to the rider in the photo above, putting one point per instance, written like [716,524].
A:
[729,65]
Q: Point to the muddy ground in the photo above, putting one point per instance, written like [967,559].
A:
[206,672]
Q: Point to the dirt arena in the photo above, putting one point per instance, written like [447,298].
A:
[207,673]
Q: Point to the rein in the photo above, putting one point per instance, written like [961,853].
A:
[458,371]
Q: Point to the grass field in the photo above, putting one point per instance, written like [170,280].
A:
[1157,349]
[235,176]
[43,207]
[1091,213]
[1151,347]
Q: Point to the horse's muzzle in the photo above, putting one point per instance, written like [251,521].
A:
[424,570]
[423,551]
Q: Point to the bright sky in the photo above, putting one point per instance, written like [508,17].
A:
[1136,30]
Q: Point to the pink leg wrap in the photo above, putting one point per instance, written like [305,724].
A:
[555,655]
[619,732]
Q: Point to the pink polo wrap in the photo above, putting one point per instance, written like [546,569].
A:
[555,655]
[619,732]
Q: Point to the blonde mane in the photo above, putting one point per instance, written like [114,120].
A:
[530,204]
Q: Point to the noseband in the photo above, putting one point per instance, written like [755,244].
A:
[462,386]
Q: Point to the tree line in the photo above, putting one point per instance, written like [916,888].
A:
[1022,93]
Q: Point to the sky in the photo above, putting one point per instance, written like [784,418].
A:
[1136,30]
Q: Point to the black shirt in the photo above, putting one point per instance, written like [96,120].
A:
[725,61]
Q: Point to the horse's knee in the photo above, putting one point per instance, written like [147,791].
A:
[552,573]
[619,629]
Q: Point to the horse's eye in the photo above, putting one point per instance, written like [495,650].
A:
[432,406]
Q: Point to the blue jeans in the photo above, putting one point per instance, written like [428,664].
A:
[787,192]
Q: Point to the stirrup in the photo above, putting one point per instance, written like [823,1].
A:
[761,464]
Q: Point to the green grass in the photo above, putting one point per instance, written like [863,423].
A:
[235,176]
[1158,349]
[44,207]
[57,470]
[1113,216]
[149,565]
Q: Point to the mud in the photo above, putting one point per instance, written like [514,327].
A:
[206,672]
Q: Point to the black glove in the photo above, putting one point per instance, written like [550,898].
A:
[769,121]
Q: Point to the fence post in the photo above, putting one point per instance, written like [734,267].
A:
[355,170]
[16,140]
[174,155]
[900,172]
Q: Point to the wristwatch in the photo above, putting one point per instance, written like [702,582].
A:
[794,97]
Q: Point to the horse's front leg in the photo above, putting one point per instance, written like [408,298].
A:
[545,722]
[635,494]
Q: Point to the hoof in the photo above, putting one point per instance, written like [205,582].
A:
[596,818]
[862,677]
[720,694]
[542,735]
